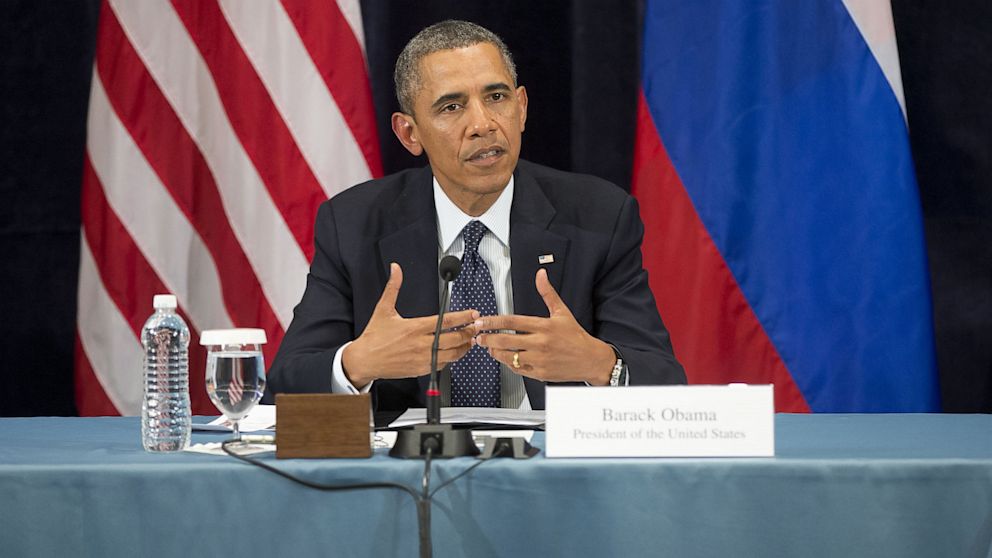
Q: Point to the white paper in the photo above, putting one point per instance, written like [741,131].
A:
[214,448]
[383,440]
[474,415]
[380,440]
[262,417]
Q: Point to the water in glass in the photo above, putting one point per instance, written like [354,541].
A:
[235,382]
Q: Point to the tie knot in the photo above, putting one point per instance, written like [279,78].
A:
[472,234]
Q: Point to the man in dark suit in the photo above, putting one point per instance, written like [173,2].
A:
[558,293]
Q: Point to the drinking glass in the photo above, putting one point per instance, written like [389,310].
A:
[235,371]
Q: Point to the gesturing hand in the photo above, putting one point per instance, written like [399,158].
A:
[553,349]
[396,347]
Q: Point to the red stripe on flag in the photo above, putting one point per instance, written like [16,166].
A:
[91,400]
[335,51]
[266,138]
[179,164]
[129,280]
[715,332]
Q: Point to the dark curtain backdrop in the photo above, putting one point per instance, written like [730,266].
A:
[579,60]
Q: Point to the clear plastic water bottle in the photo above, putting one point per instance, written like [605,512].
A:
[165,412]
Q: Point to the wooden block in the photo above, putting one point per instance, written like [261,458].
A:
[323,425]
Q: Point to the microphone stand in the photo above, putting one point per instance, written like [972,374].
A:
[433,390]
[435,439]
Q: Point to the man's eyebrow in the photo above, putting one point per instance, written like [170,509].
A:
[447,98]
[496,87]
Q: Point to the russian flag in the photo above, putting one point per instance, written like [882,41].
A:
[784,235]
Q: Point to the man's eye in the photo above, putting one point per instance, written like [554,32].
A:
[449,108]
[498,96]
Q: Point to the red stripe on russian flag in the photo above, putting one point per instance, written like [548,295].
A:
[714,331]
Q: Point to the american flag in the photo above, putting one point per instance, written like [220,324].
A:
[236,390]
[216,128]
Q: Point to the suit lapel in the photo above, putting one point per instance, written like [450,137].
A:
[531,241]
[413,245]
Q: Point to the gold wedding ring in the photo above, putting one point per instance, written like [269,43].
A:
[516,360]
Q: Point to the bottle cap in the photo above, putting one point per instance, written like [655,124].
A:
[239,336]
[164,301]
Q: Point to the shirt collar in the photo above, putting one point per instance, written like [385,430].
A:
[451,220]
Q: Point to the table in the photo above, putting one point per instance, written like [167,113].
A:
[840,485]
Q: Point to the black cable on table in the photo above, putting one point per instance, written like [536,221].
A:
[422,501]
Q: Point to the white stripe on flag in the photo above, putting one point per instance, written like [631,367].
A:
[874,20]
[274,47]
[113,350]
[157,226]
[165,47]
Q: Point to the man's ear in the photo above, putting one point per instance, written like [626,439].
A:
[522,101]
[405,129]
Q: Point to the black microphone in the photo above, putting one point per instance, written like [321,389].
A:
[433,440]
[448,269]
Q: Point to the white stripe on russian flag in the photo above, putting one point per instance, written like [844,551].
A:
[874,20]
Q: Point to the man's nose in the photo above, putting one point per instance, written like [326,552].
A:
[481,121]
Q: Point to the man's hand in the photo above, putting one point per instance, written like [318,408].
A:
[553,349]
[396,347]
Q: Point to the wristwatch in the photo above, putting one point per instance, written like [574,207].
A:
[618,377]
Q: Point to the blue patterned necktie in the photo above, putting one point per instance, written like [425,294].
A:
[475,376]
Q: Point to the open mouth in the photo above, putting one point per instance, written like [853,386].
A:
[486,155]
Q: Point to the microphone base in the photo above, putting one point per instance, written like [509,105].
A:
[512,447]
[453,443]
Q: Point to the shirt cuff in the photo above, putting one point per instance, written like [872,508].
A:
[340,382]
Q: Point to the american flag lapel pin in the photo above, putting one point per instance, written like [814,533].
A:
[546,259]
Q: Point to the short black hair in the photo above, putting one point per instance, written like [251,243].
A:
[446,35]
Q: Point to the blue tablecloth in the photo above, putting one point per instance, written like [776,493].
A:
[840,485]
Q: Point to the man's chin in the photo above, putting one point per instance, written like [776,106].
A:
[490,184]
[495,177]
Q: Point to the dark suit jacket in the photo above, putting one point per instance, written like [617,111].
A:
[591,227]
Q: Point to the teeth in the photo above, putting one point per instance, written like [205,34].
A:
[490,153]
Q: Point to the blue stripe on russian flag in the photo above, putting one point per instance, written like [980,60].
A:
[794,152]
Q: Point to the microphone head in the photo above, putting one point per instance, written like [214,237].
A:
[449,267]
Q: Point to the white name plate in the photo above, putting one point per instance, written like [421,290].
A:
[661,421]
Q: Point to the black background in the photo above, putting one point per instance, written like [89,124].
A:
[579,60]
